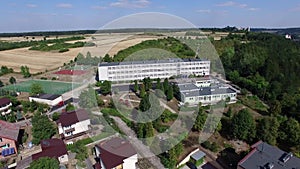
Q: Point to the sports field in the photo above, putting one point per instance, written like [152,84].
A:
[51,87]
[71,72]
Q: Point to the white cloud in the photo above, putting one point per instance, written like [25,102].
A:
[232,4]
[31,5]
[64,5]
[204,11]
[130,3]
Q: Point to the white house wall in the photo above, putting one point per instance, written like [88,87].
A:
[45,101]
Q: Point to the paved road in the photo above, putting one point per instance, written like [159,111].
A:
[143,150]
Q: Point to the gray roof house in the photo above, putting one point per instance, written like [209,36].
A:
[265,156]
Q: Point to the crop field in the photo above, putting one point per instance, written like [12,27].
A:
[51,87]
[40,61]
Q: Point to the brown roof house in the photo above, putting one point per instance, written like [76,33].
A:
[53,148]
[5,105]
[116,153]
[9,134]
[73,124]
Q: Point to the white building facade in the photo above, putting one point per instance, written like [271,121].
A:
[49,99]
[5,106]
[206,93]
[138,70]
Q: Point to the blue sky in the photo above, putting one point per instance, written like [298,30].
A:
[41,15]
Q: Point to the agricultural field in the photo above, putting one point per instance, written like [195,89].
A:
[40,61]
[52,87]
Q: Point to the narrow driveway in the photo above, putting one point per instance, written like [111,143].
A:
[142,149]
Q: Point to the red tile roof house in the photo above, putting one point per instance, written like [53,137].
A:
[116,153]
[53,148]
[9,134]
[5,105]
[73,124]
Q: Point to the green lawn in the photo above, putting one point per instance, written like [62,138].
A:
[51,87]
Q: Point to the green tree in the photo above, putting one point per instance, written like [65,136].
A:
[1,84]
[25,71]
[289,132]
[166,85]
[145,103]
[36,88]
[267,129]
[158,84]
[136,86]
[170,93]
[200,119]
[12,80]
[243,126]
[105,87]
[42,128]
[87,98]
[55,116]
[70,107]
[107,58]
[45,163]
[142,91]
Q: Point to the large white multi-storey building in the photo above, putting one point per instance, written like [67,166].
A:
[138,70]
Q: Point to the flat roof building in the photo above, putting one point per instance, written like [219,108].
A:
[49,99]
[138,70]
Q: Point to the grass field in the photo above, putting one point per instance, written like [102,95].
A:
[51,87]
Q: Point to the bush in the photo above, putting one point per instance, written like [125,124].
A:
[63,50]
[211,146]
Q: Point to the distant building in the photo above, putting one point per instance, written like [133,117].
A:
[73,124]
[288,36]
[9,135]
[265,156]
[5,106]
[138,70]
[116,153]
[206,92]
[49,99]
[53,148]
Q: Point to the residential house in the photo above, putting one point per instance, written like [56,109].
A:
[5,106]
[53,148]
[49,99]
[73,124]
[116,153]
[9,135]
[265,156]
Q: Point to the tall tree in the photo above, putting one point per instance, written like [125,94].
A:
[142,91]
[45,163]
[290,132]
[87,98]
[158,84]
[243,126]
[166,85]
[136,86]
[12,80]
[36,88]
[105,87]
[170,93]
[145,103]
[267,129]
[42,128]
[25,71]
[200,119]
